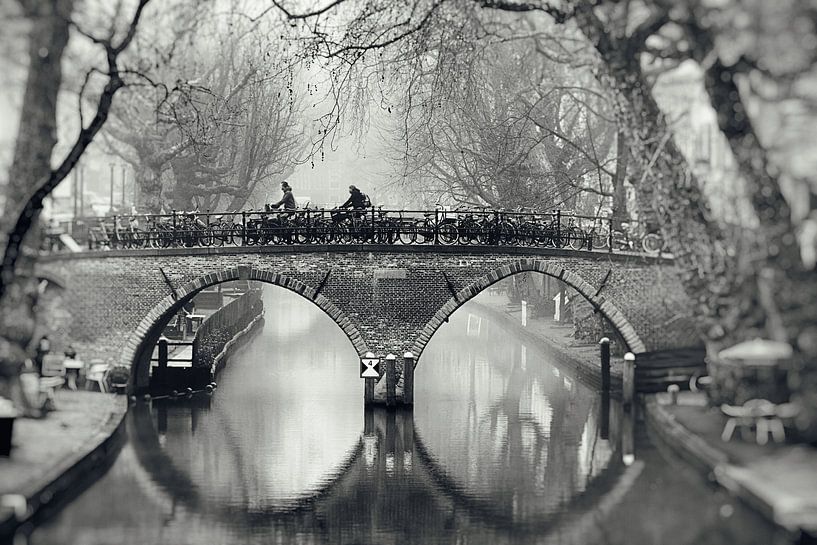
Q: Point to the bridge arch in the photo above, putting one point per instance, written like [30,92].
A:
[617,319]
[139,347]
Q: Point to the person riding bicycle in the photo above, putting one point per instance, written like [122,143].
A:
[289,205]
[288,200]
[357,201]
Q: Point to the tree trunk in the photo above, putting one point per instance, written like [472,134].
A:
[30,167]
[619,190]
[669,192]
[149,180]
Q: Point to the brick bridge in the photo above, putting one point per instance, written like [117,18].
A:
[387,299]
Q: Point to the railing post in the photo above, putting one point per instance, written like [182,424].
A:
[117,234]
[371,231]
[558,228]
[628,379]
[408,378]
[610,235]
[436,225]
[605,364]
[496,227]
[243,228]
[391,381]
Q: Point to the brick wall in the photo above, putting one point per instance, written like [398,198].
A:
[387,299]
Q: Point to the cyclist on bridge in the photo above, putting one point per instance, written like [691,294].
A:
[357,200]
[288,200]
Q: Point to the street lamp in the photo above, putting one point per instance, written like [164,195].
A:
[124,183]
[110,210]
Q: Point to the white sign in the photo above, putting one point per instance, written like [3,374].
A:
[369,367]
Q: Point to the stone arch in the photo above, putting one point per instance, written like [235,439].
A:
[148,331]
[607,309]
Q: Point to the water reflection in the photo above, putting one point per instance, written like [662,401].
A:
[503,446]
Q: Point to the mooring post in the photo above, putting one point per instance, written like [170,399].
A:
[408,378]
[604,345]
[628,379]
[391,381]
[161,372]
[368,392]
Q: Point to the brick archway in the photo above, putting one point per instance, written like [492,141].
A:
[148,331]
[607,309]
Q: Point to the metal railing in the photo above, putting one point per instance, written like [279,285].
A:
[374,225]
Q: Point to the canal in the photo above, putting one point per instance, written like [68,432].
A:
[504,445]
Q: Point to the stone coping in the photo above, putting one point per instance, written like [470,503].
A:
[360,248]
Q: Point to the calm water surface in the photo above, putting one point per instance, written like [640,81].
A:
[504,445]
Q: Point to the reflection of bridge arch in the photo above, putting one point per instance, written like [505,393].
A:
[344,487]
[139,347]
[617,319]
[178,484]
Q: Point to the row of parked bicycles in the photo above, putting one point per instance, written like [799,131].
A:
[483,226]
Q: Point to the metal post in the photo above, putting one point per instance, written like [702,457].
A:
[371,231]
[408,378]
[391,381]
[436,226]
[76,195]
[605,364]
[82,191]
[628,379]
[124,183]
[610,236]
[558,228]
[111,205]
[243,228]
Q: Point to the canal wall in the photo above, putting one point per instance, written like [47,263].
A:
[53,470]
[214,341]
[223,327]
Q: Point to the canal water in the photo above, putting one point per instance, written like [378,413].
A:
[505,445]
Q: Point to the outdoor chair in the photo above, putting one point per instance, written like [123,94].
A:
[766,417]
[98,373]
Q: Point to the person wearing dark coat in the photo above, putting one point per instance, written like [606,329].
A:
[288,200]
[357,199]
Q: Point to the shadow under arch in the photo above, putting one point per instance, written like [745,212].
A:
[610,311]
[139,347]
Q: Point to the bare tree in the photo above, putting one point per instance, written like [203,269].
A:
[31,176]
[214,124]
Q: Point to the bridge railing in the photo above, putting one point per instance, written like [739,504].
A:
[374,225]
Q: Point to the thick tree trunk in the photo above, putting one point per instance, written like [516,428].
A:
[149,180]
[790,291]
[670,192]
[30,167]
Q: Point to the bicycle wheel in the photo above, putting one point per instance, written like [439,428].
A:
[407,234]
[601,239]
[652,243]
[341,234]
[447,233]
[506,233]
[576,238]
[424,231]
[205,236]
